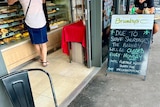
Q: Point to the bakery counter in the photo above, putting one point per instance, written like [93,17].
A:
[19,52]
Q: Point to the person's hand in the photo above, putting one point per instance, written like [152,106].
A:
[141,1]
[146,11]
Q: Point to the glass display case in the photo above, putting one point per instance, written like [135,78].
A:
[12,28]
[14,38]
[58,15]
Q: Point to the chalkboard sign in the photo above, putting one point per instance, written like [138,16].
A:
[130,43]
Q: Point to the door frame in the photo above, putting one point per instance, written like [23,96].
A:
[93,17]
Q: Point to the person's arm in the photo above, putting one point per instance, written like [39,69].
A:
[138,11]
[152,10]
[11,2]
[43,1]
[138,7]
[149,10]
[151,6]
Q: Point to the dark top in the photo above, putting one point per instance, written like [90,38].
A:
[146,4]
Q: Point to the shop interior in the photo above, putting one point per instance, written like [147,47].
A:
[70,73]
[17,52]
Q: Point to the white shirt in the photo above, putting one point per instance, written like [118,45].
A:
[35,17]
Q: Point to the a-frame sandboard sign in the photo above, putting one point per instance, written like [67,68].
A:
[129,44]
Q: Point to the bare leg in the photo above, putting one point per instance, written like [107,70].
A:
[155,28]
[38,49]
[42,51]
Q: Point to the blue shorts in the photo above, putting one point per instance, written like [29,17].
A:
[38,35]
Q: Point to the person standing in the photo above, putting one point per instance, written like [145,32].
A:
[36,26]
[146,7]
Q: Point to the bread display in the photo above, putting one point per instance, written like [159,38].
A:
[10,24]
[19,18]
[6,21]
[16,28]
[4,32]
[50,4]
[4,11]
[6,40]
[25,34]
[0,33]
[1,42]
[52,11]
[18,36]
[11,21]
[57,24]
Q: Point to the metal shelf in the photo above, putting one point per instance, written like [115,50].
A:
[57,13]
[13,14]
[7,25]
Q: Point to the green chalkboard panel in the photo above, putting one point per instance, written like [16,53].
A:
[129,43]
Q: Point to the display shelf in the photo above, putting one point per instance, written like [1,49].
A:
[11,50]
[10,25]
[55,6]
[58,24]
[11,14]
[57,20]
[10,34]
[57,13]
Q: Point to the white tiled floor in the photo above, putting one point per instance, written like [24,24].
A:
[66,78]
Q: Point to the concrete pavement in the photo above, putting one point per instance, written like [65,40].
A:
[124,90]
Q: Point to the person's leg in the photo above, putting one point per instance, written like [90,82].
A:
[44,61]
[42,51]
[155,28]
[38,50]
[39,39]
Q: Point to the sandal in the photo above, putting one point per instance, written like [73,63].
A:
[44,64]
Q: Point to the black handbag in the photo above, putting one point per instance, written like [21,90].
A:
[23,21]
[46,16]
